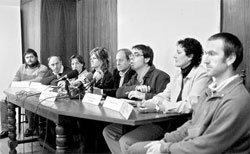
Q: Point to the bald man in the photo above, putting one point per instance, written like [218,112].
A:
[56,71]
[123,72]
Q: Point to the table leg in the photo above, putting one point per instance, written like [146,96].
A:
[42,127]
[61,139]
[12,128]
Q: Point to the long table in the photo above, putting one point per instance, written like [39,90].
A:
[70,108]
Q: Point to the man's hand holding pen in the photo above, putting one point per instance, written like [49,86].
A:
[142,88]
[136,94]
[139,92]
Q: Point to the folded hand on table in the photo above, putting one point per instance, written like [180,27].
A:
[147,106]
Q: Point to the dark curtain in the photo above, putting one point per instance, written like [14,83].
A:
[58,29]
[97,26]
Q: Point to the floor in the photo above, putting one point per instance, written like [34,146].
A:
[27,148]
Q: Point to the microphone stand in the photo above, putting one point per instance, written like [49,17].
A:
[67,88]
[81,90]
[75,92]
[92,89]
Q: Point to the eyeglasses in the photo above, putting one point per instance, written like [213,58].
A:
[136,54]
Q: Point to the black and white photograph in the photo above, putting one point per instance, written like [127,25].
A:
[124,77]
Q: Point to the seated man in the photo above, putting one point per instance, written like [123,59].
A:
[219,123]
[123,72]
[33,71]
[146,83]
[56,71]
[148,80]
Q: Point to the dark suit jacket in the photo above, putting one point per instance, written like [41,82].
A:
[117,77]
[156,79]
[50,79]
[106,82]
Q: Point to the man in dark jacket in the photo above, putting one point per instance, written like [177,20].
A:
[56,71]
[123,72]
[146,83]
[148,80]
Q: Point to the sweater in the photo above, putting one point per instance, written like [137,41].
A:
[25,73]
[220,124]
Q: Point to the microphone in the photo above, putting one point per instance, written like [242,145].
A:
[88,78]
[98,75]
[92,82]
[69,75]
[90,86]
[93,78]
[79,90]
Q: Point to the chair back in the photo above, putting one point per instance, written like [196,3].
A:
[243,75]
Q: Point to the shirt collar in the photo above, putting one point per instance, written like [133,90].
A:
[140,78]
[60,71]
[122,74]
[217,88]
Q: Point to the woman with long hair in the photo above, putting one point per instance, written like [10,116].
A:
[99,60]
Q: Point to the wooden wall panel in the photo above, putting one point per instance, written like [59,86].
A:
[30,19]
[236,20]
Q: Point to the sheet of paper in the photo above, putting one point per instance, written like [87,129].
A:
[48,96]
[113,103]
[132,102]
[38,86]
[20,84]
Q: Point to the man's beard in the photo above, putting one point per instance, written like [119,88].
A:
[35,64]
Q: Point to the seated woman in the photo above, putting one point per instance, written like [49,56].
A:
[77,129]
[77,63]
[102,79]
[99,60]
[180,95]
